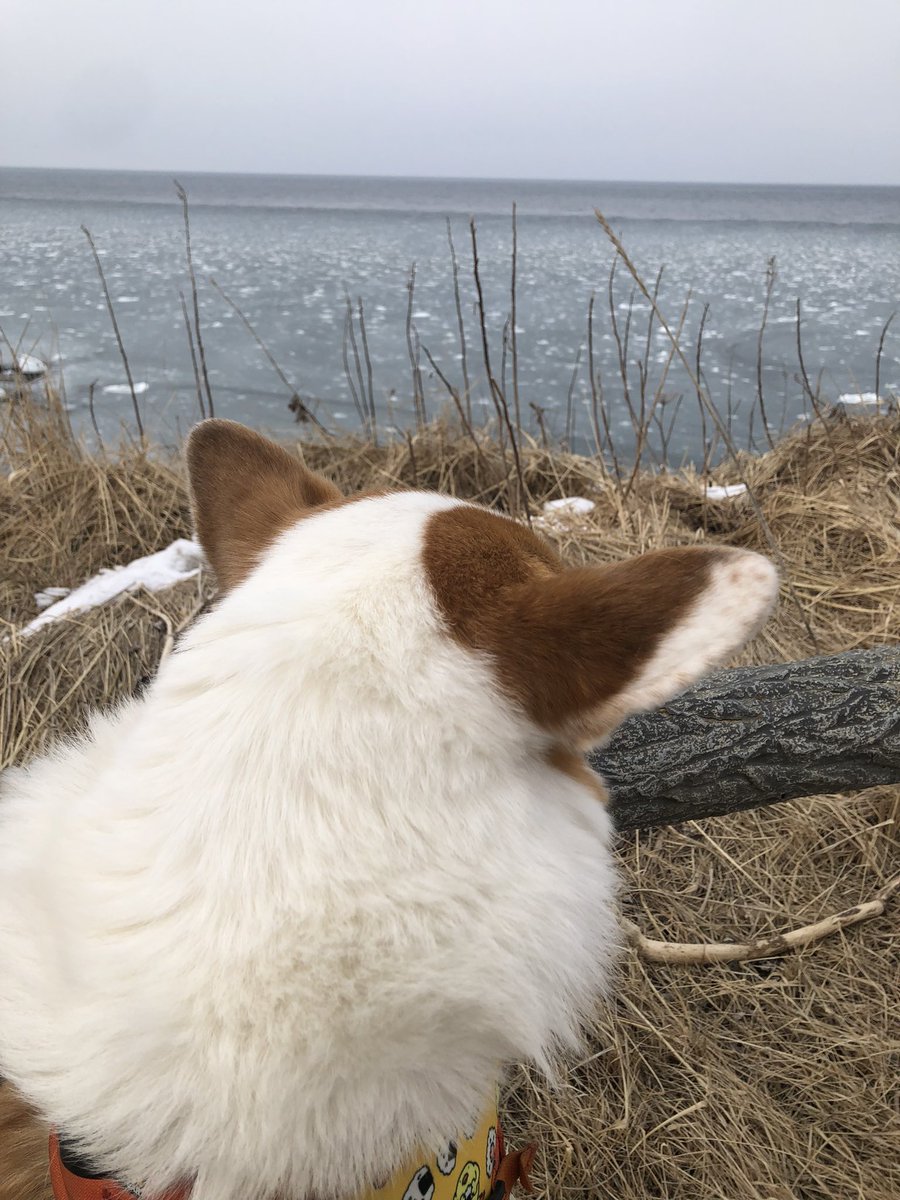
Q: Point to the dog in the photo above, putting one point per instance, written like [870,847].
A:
[276,927]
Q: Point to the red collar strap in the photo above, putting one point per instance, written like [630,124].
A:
[69,1183]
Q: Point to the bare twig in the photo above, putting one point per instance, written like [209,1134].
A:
[91,387]
[515,355]
[884,330]
[690,953]
[373,416]
[116,330]
[598,407]
[467,391]
[297,406]
[718,422]
[194,364]
[499,399]
[770,286]
[183,197]
[363,406]
[570,399]
[418,397]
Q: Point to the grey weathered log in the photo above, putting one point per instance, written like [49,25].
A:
[758,735]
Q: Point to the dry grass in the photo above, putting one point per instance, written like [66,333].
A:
[770,1080]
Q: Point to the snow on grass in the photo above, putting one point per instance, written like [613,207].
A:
[156,572]
[726,491]
[569,506]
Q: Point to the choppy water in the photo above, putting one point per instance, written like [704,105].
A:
[288,250]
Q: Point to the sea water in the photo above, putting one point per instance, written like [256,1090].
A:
[290,250]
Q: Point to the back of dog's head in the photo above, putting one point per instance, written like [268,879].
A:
[341,860]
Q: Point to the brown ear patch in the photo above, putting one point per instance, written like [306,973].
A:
[245,490]
[24,1155]
[564,642]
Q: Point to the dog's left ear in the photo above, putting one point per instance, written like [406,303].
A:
[245,490]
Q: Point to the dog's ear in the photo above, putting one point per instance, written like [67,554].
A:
[245,490]
[579,650]
[588,647]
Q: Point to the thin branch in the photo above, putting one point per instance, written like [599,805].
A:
[115,325]
[770,285]
[297,406]
[884,330]
[718,422]
[418,398]
[690,953]
[467,391]
[515,354]
[373,419]
[190,338]
[183,197]
[498,397]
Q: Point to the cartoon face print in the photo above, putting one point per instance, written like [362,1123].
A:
[467,1184]
[446,1158]
[490,1154]
[421,1186]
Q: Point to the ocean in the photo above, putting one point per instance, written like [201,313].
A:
[290,250]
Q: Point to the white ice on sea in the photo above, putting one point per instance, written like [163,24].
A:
[156,572]
[122,389]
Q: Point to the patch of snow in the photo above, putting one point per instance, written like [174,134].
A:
[724,491]
[122,389]
[156,572]
[858,398]
[128,299]
[50,596]
[570,505]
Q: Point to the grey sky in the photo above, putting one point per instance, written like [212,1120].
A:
[804,91]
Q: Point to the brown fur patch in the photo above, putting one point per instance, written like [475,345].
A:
[574,765]
[24,1157]
[565,642]
[245,490]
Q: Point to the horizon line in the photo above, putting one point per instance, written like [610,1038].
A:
[529,179]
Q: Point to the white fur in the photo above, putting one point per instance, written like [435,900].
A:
[278,922]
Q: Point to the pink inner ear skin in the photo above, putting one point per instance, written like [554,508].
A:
[579,649]
[245,490]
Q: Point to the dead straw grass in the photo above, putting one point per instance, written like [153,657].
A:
[766,1080]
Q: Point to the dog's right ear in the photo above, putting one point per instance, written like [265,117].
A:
[245,490]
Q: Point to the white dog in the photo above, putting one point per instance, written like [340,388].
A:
[278,924]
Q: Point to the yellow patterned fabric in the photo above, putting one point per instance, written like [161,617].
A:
[460,1170]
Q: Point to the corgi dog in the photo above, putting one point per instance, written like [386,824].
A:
[276,927]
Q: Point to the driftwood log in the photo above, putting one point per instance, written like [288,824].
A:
[753,736]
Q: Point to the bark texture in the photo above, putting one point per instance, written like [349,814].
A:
[757,735]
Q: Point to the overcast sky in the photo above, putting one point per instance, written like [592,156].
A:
[804,91]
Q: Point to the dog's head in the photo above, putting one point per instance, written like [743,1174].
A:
[572,650]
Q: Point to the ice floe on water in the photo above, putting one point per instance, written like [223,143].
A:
[155,572]
[122,389]
[28,366]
